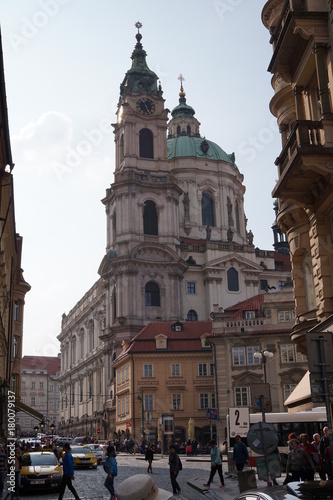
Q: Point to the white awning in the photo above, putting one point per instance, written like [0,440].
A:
[301,393]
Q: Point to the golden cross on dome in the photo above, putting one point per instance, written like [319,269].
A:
[182,79]
[138,25]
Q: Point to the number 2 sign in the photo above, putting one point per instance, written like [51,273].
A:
[239,421]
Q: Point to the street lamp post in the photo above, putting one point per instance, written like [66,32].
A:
[263,355]
[52,430]
[36,430]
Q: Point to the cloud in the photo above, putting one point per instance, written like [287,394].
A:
[40,143]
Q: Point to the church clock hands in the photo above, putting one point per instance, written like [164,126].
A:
[145,106]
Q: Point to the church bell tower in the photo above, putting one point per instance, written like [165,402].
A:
[142,268]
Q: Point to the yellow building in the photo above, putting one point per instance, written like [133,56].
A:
[165,380]
[12,284]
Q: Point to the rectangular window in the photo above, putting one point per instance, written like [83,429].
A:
[263,285]
[203,401]
[33,385]
[190,287]
[242,396]
[251,360]
[202,370]
[176,401]
[250,314]
[238,356]
[175,370]
[213,397]
[288,353]
[23,384]
[148,402]
[41,385]
[245,356]
[147,370]
[281,284]
[287,390]
[286,316]
[33,401]
[16,310]
[127,403]
[211,370]
[15,346]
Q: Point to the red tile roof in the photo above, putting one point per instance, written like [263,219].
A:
[48,363]
[252,304]
[188,340]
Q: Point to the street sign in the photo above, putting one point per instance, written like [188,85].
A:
[318,388]
[262,438]
[261,395]
[128,424]
[212,414]
[98,431]
[320,345]
[239,421]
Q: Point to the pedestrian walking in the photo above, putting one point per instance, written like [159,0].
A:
[216,463]
[68,475]
[111,469]
[240,455]
[324,449]
[298,462]
[149,456]
[305,444]
[174,463]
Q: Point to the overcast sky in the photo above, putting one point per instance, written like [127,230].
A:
[64,61]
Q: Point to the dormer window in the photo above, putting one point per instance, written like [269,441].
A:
[161,341]
[177,327]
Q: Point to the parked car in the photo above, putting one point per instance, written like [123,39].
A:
[83,457]
[308,490]
[40,470]
[99,452]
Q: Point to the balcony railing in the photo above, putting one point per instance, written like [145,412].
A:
[306,135]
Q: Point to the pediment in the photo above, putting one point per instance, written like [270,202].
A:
[154,253]
[233,259]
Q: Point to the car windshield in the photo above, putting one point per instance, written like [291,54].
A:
[80,449]
[39,459]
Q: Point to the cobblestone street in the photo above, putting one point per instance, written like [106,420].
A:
[90,483]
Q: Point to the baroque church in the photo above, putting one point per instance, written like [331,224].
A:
[178,247]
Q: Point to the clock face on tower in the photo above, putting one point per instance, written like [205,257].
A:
[145,106]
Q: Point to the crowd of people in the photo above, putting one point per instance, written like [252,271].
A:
[305,458]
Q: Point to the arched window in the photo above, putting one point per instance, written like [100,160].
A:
[178,130]
[207,210]
[188,130]
[192,315]
[233,284]
[146,143]
[152,294]
[150,223]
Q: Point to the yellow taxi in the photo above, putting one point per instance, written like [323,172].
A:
[40,470]
[83,457]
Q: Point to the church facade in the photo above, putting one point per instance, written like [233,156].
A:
[177,247]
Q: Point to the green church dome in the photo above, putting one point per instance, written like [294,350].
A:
[187,145]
